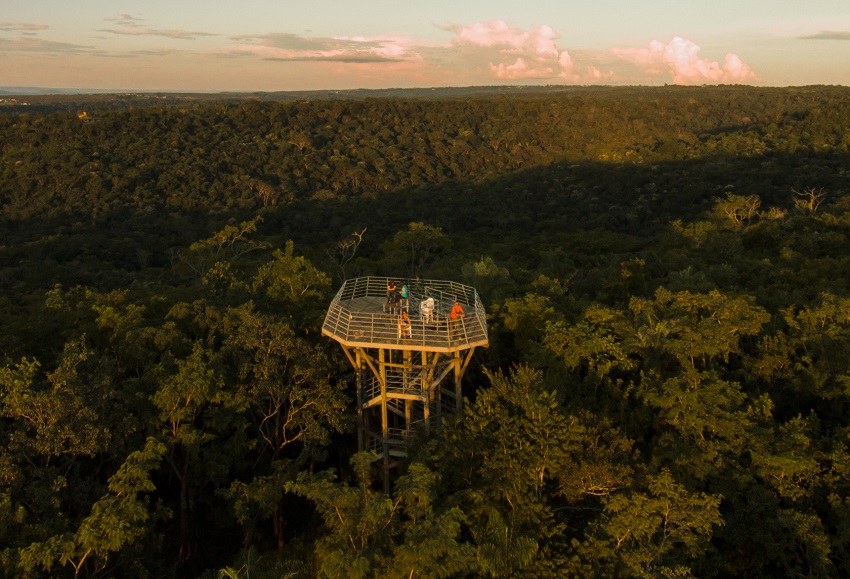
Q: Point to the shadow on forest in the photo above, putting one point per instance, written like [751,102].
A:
[632,199]
[540,204]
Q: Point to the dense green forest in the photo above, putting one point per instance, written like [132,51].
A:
[666,273]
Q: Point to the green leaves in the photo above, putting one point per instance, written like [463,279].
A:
[411,250]
[219,260]
[184,394]
[291,278]
[284,380]
[522,471]
[293,286]
[51,415]
[119,518]
[360,521]
[650,533]
[694,328]
[368,534]
[699,406]
[737,210]
[116,520]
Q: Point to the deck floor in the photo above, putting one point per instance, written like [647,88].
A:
[368,321]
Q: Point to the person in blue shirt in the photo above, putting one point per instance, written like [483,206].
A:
[405,292]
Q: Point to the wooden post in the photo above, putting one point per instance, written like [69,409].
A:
[358,377]
[385,423]
[458,373]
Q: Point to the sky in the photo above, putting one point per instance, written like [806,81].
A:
[280,45]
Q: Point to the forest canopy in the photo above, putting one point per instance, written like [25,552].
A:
[665,273]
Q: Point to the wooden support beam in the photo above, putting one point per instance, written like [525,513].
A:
[350,354]
[385,424]
[467,359]
[358,378]
[457,364]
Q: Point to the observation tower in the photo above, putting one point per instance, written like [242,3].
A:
[408,373]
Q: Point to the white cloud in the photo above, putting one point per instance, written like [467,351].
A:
[514,53]
[680,58]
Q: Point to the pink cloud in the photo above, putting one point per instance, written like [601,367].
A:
[519,69]
[515,53]
[680,58]
[539,40]
[595,75]
[481,52]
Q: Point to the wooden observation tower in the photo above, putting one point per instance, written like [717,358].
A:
[407,376]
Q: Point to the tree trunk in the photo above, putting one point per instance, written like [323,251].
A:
[279,523]
[187,540]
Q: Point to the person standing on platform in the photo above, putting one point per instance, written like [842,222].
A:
[394,302]
[426,309]
[455,319]
[405,330]
[405,293]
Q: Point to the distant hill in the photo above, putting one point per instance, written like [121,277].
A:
[38,90]
[328,93]
[47,100]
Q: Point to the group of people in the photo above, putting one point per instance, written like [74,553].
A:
[397,301]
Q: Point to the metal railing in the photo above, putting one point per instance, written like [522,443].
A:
[398,438]
[401,381]
[350,321]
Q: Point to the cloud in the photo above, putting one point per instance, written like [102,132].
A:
[347,49]
[595,75]
[21,26]
[827,35]
[128,25]
[487,52]
[125,20]
[29,44]
[514,53]
[168,33]
[681,60]
[163,52]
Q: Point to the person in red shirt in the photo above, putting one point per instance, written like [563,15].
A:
[457,311]
[455,317]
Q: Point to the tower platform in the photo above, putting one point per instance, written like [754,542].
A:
[401,370]
[359,316]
